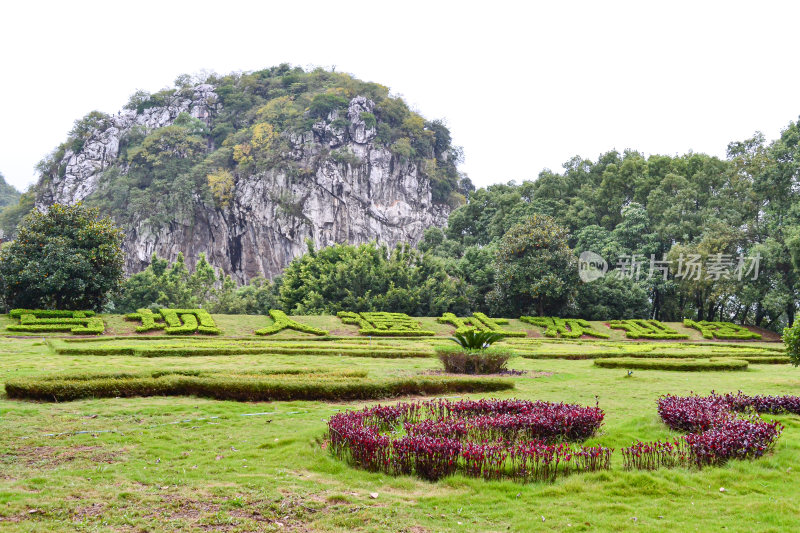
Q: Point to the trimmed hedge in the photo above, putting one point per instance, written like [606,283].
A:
[242,386]
[150,321]
[646,329]
[192,351]
[479,322]
[282,321]
[570,328]
[721,330]
[43,320]
[754,356]
[384,324]
[48,313]
[697,365]
[176,321]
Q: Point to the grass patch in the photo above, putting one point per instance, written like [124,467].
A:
[693,365]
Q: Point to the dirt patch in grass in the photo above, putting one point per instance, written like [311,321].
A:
[527,374]
[55,456]
[88,512]
[210,514]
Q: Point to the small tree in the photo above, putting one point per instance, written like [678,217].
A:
[791,338]
[535,269]
[65,258]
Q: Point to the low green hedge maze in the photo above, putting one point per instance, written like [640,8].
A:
[175,321]
[244,386]
[570,328]
[721,330]
[646,329]
[695,365]
[42,320]
[479,322]
[282,322]
[384,324]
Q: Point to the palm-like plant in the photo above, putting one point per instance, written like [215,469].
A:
[475,340]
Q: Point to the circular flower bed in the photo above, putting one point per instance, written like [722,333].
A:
[715,433]
[493,439]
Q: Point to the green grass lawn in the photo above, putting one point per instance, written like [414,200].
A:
[193,464]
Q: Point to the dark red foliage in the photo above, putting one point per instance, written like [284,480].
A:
[715,433]
[482,438]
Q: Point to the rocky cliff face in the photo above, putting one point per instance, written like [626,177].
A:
[372,196]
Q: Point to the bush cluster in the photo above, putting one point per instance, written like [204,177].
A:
[479,322]
[493,439]
[43,320]
[570,328]
[721,330]
[384,324]
[281,322]
[458,360]
[243,386]
[715,433]
[646,329]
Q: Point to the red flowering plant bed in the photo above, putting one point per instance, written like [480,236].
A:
[715,433]
[493,439]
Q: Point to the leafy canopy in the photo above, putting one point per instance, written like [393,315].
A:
[68,257]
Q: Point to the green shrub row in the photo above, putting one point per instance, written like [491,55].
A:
[76,322]
[646,329]
[479,322]
[659,352]
[192,351]
[243,386]
[282,321]
[49,313]
[721,330]
[694,365]
[570,328]
[384,324]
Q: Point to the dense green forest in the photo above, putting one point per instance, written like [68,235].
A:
[512,248]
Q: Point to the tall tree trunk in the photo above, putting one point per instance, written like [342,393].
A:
[698,304]
[759,314]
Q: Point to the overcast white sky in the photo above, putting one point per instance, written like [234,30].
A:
[522,88]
